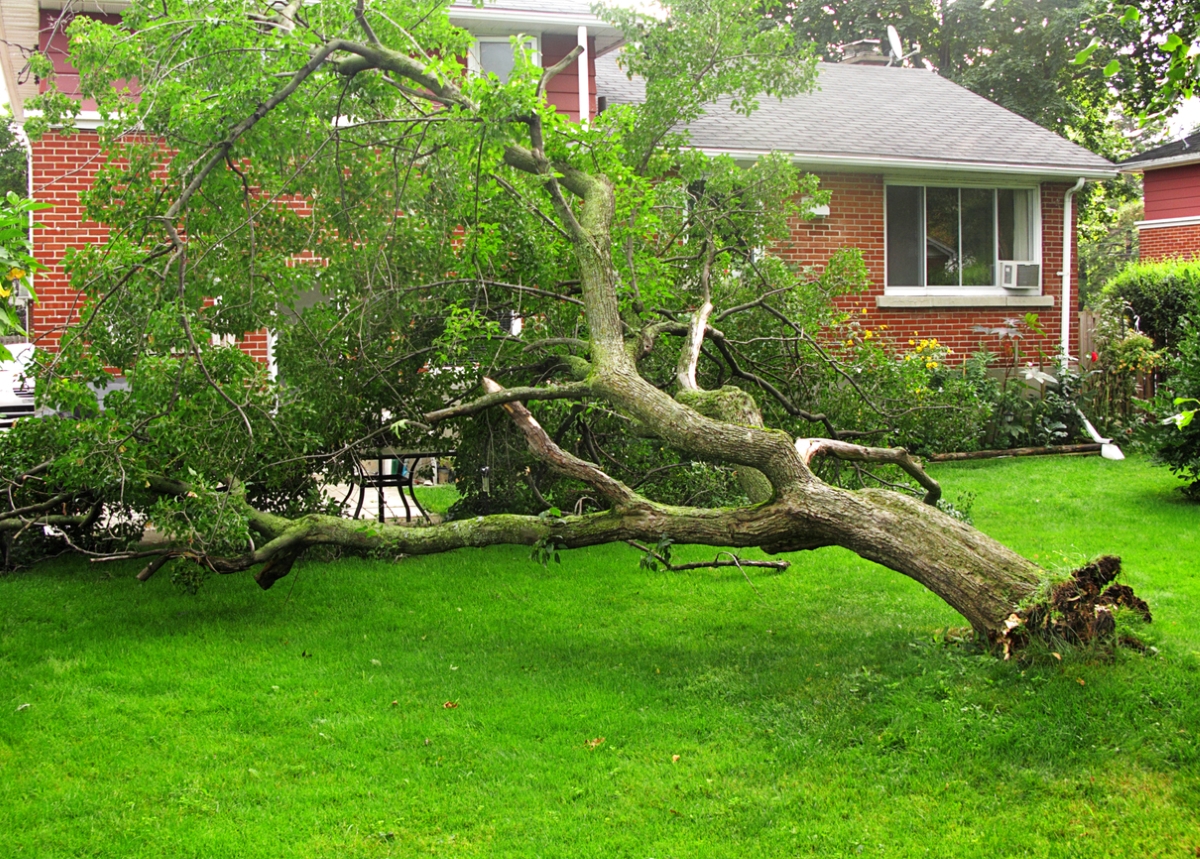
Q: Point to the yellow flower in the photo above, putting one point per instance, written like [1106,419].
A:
[17,274]
[868,334]
[5,293]
[863,311]
[912,342]
[883,328]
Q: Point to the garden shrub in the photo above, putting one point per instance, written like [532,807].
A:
[1124,362]
[1158,296]
[1178,446]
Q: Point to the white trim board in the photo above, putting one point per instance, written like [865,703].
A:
[937,302]
[1159,223]
[1032,172]
[86,120]
[1181,160]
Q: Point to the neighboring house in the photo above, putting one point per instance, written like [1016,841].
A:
[959,206]
[1171,190]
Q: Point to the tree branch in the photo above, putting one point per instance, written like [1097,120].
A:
[701,565]
[689,356]
[500,396]
[544,448]
[810,448]
[556,69]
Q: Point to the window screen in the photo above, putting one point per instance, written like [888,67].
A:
[905,216]
[497,58]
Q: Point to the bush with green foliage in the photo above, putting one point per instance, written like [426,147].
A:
[1125,363]
[1176,437]
[1148,362]
[1157,297]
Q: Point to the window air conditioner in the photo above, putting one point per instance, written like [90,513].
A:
[1020,275]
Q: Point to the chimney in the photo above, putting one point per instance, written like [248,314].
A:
[864,52]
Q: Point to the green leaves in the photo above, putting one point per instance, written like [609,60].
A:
[1131,16]
[1183,418]
[545,549]
[660,553]
[17,264]
[1084,55]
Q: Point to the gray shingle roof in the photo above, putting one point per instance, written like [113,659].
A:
[1184,150]
[875,116]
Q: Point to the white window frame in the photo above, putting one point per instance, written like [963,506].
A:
[533,43]
[994,289]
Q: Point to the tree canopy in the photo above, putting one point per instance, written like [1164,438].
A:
[331,173]
[1018,53]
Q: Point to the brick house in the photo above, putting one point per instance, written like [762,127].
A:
[1171,191]
[959,206]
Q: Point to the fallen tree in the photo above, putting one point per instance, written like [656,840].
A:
[346,152]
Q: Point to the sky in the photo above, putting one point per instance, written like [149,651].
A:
[1187,118]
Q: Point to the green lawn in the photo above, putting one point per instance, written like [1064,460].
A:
[818,712]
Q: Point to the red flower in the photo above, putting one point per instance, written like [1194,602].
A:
[1095,357]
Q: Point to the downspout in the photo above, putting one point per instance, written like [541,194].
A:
[585,89]
[1107,449]
[1068,240]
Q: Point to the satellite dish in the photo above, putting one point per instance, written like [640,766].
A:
[894,42]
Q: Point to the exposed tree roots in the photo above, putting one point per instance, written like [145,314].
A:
[1079,610]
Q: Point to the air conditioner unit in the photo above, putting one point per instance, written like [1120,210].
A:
[1020,275]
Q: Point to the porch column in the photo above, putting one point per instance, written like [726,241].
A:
[585,101]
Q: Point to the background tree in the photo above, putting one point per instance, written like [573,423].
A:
[336,156]
[1145,48]
[1019,54]
[15,262]
[14,162]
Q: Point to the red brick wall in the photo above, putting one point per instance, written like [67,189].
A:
[856,220]
[62,168]
[1172,193]
[1157,243]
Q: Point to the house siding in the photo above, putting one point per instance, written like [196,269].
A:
[563,89]
[1173,192]
[856,221]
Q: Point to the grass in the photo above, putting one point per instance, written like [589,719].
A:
[603,710]
[437,499]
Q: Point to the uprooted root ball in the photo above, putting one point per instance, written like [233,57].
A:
[1079,610]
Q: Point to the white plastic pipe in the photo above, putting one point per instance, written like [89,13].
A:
[585,100]
[1068,240]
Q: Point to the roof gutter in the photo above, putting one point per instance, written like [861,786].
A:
[818,160]
[1160,163]
[1068,241]
[524,17]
